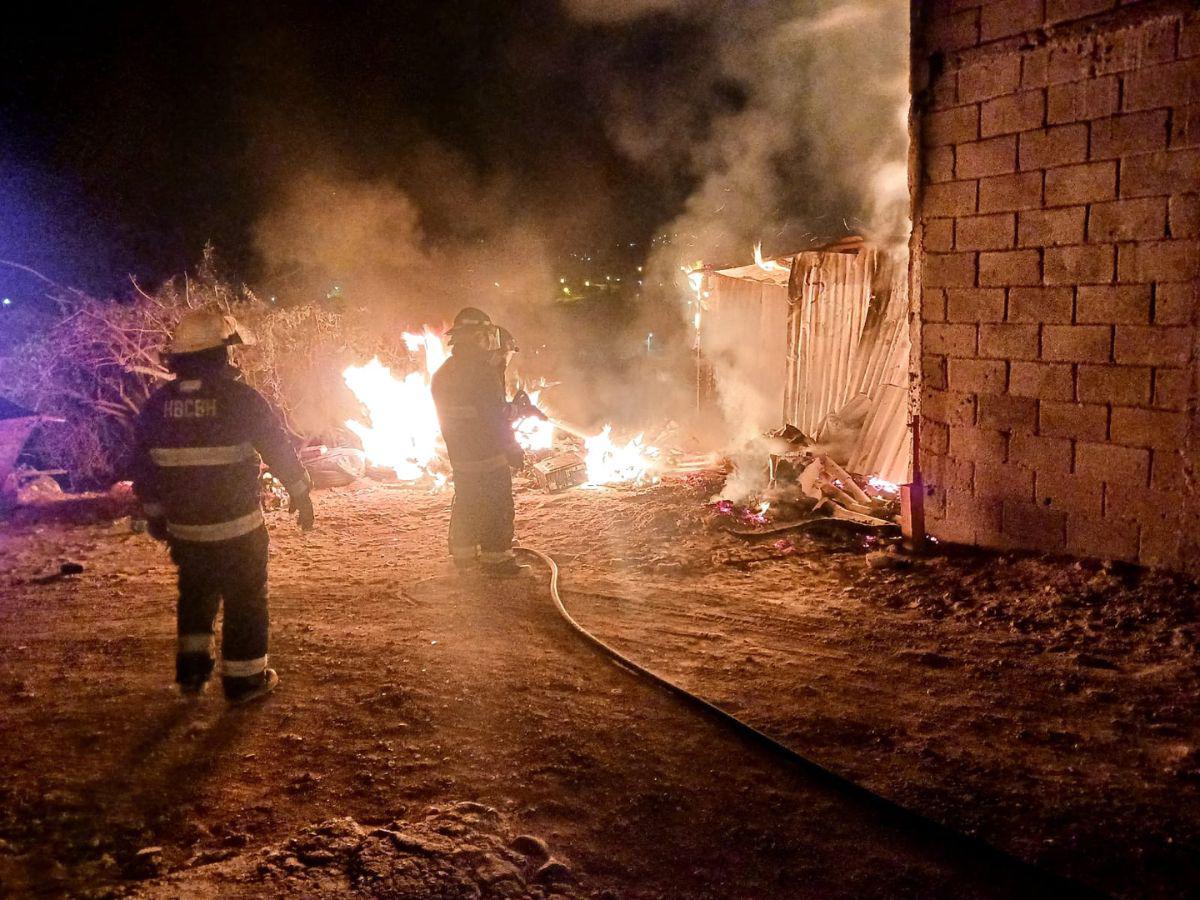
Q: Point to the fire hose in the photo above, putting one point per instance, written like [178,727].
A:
[1054,884]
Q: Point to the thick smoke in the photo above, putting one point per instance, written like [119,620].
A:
[366,239]
[800,137]
[776,121]
[792,128]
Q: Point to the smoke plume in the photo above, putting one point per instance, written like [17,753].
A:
[366,240]
[792,129]
[732,122]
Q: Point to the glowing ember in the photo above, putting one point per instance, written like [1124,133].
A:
[609,464]
[758,516]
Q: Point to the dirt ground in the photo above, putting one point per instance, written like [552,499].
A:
[441,737]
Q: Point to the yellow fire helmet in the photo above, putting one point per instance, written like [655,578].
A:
[204,329]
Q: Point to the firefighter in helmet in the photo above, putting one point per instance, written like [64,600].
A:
[196,470]
[468,391]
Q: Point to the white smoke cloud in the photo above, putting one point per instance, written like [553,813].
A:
[785,121]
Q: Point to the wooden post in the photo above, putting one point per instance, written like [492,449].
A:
[912,498]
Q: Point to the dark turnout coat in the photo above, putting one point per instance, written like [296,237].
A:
[196,459]
[473,411]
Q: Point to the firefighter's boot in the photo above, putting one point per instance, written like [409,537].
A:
[193,664]
[243,690]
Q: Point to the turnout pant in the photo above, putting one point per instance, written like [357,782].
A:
[234,571]
[481,517]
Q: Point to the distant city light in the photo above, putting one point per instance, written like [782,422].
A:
[7,301]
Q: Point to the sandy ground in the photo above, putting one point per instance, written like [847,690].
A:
[425,722]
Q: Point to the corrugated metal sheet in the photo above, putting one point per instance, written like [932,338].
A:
[885,443]
[830,297]
[848,338]
[844,344]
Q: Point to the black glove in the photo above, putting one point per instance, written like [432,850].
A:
[157,528]
[303,505]
[516,458]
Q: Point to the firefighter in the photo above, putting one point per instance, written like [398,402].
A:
[468,391]
[196,471]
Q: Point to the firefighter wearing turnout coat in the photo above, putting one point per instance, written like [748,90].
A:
[196,471]
[468,391]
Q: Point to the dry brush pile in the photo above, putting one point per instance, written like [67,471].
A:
[98,360]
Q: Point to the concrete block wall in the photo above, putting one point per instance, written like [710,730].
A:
[1056,257]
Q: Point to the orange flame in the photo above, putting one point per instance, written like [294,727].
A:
[765,264]
[404,434]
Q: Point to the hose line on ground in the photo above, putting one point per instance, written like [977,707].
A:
[1055,885]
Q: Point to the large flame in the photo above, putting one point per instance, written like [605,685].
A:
[431,343]
[404,434]
[608,463]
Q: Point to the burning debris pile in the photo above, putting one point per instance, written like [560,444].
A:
[801,484]
[817,340]
[805,491]
[402,439]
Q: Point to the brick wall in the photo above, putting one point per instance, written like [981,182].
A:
[1056,255]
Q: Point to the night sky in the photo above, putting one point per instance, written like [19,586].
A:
[134,132]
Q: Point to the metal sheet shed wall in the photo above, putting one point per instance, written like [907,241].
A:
[842,338]
[744,338]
